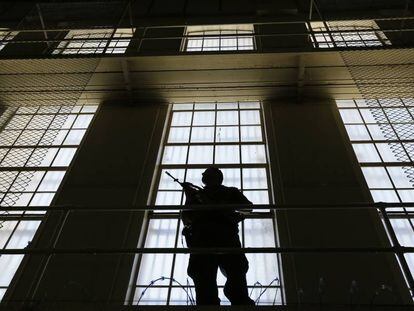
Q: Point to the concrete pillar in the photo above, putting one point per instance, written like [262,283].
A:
[113,168]
[313,163]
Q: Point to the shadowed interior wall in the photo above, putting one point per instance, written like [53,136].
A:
[312,164]
[113,168]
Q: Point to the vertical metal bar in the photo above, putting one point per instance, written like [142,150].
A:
[398,250]
[325,24]
[54,240]
[310,9]
[39,11]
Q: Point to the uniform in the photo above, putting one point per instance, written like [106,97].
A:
[211,229]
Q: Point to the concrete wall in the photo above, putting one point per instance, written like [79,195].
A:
[113,168]
[312,164]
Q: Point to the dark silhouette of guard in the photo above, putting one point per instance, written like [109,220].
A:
[215,228]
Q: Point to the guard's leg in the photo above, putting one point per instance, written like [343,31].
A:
[203,270]
[235,267]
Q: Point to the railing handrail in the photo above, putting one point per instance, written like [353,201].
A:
[241,207]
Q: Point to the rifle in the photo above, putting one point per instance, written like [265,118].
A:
[185,185]
[192,190]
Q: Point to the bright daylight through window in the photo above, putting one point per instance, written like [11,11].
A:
[94,41]
[37,145]
[6,35]
[364,33]
[382,136]
[219,38]
[231,136]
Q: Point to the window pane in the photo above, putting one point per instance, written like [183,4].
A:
[74,137]
[174,155]
[384,196]
[345,103]
[83,121]
[350,116]
[152,295]
[366,153]
[227,118]
[227,134]
[194,175]
[42,199]
[204,106]
[392,152]
[381,132]
[89,108]
[251,133]
[357,132]
[226,106]
[403,231]
[6,230]
[400,177]
[200,155]
[51,181]
[227,154]
[9,264]
[167,183]
[181,118]
[168,198]
[161,233]
[249,105]
[253,154]
[249,117]
[231,177]
[182,106]
[257,197]
[179,135]
[23,234]
[34,181]
[202,135]
[406,195]
[376,177]
[64,157]
[204,118]
[254,178]
[373,115]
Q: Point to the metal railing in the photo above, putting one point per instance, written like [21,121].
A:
[385,211]
[339,37]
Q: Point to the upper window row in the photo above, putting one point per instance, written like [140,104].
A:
[215,38]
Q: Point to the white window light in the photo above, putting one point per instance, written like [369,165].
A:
[93,41]
[6,35]
[219,38]
[34,157]
[381,132]
[365,33]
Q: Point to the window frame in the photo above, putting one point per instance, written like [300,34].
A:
[270,215]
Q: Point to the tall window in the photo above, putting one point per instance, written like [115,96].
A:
[93,41]
[348,34]
[382,135]
[6,35]
[231,136]
[36,147]
[219,38]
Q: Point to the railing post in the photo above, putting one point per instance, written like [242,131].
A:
[399,250]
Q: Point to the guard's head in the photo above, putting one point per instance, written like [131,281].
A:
[212,176]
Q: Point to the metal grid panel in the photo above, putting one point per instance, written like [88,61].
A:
[382,134]
[199,135]
[91,41]
[344,34]
[37,144]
